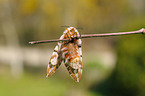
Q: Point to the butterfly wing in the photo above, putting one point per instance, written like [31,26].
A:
[72,54]
[73,61]
[55,60]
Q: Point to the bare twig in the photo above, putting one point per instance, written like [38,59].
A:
[92,35]
[48,41]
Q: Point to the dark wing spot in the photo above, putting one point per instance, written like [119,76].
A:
[55,51]
[79,46]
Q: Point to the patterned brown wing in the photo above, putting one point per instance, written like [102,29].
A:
[72,54]
[54,61]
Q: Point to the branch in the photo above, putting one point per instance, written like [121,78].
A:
[92,35]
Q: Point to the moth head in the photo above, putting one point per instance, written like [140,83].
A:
[73,31]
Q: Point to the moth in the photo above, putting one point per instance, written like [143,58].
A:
[69,52]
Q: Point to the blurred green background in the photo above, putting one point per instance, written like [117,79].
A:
[113,66]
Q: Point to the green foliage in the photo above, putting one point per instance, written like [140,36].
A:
[130,72]
[28,85]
